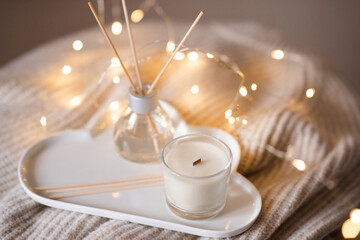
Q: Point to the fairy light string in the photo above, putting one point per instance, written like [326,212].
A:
[350,228]
[193,55]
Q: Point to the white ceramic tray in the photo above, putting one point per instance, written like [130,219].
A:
[77,156]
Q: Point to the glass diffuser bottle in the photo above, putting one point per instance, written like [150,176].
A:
[143,128]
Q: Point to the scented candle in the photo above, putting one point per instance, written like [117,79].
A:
[196,175]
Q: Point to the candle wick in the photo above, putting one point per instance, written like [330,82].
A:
[197,162]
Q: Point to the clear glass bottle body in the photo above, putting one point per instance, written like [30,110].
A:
[140,136]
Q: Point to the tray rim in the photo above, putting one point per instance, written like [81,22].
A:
[112,214]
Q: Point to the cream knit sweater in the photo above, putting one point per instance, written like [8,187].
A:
[324,131]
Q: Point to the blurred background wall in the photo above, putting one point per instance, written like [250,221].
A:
[329,29]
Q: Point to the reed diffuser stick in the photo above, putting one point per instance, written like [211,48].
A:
[121,183]
[133,50]
[112,46]
[79,186]
[132,45]
[124,68]
[174,53]
[112,189]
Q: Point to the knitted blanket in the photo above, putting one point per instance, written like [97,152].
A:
[323,130]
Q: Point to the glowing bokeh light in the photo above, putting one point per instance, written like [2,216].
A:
[66,69]
[244,121]
[116,28]
[243,91]
[192,56]
[170,46]
[137,15]
[299,164]
[209,55]
[115,62]
[179,56]
[277,54]
[43,121]
[116,80]
[253,86]
[114,105]
[310,92]
[75,101]
[350,229]
[195,89]
[355,215]
[228,113]
[231,120]
[77,45]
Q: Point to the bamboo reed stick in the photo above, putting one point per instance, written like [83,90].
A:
[176,50]
[133,50]
[132,45]
[97,183]
[115,188]
[112,46]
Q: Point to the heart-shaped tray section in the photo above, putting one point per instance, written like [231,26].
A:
[76,156]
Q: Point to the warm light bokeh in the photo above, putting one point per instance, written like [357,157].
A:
[209,55]
[116,28]
[195,89]
[355,215]
[179,56]
[299,164]
[43,121]
[243,91]
[277,54]
[192,56]
[115,62]
[114,105]
[350,229]
[228,113]
[310,92]
[170,46]
[75,101]
[231,120]
[137,15]
[253,86]
[66,69]
[116,80]
[77,45]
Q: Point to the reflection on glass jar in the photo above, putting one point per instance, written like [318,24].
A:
[143,128]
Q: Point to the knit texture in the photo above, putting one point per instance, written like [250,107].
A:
[323,130]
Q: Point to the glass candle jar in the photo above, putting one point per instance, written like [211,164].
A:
[143,128]
[196,175]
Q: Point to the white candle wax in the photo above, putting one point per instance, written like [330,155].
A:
[181,159]
[199,188]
